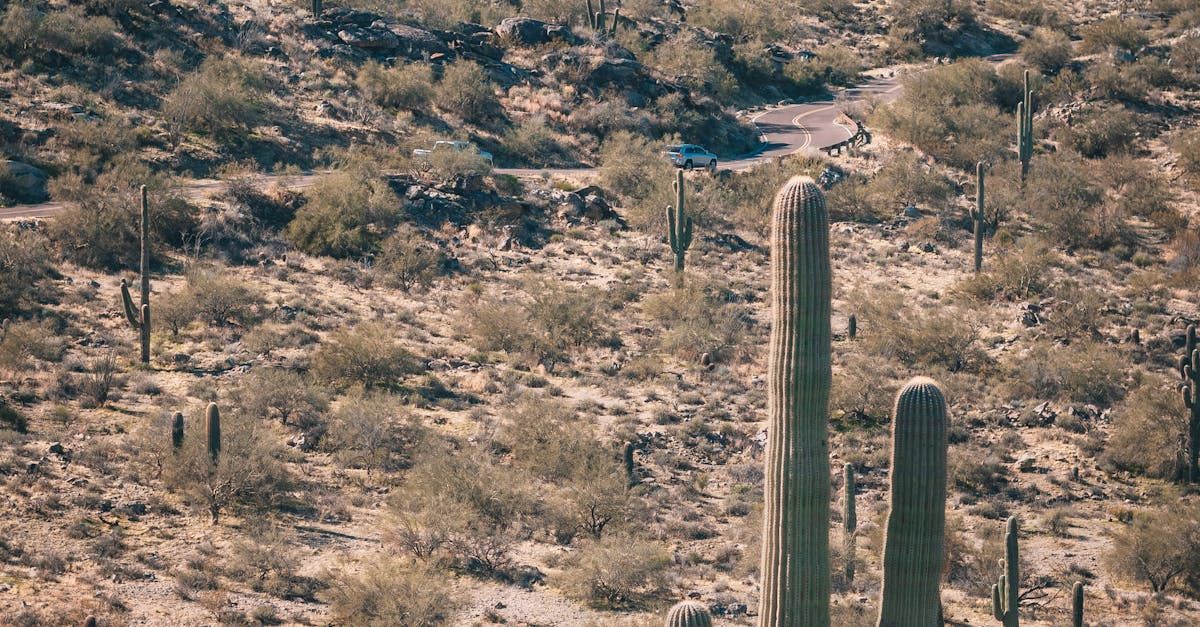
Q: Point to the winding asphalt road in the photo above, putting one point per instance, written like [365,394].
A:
[784,130]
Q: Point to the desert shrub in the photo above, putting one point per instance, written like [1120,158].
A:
[533,142]
[269,562]
[460,506]
[1147,431]
[29,29]
[347,212]
[282,395]
[685,58]
[976,471]
[1066,202]
[218,298]
[1117,32]
[552,320]
[1099,132]
[1047,50]
[723,133]
[407,259]
[952,112]
[445,164]
[403,86]
[101,228]
[1076,314]
[223,96]
[616,572]
[697,318]
[930,24]
[466,91]
[1159,546]
[1187,147]
[829,65]
[26,272]
[863,390]
[1032,12]
[11,417]
[1136,188]
[1127,82]
[744,198]
[891,327]
[1082,372]
[904,181]
[634,168]
[367,355]
[391,591]
[369,431]
[1014,274]
[1185,59]
[249,478]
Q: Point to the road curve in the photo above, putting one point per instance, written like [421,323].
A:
[784,130]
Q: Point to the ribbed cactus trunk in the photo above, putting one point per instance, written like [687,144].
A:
[978,215]
[212,432]
[852,327]
[1189,369]
[849,521]
[1025,128]
[1006,592]
[913,547]
[1077,605]
[795,559]
[689,614]
[679,228]
[144,267]
[316,8]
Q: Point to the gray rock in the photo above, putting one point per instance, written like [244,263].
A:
[369,38]
[27,183]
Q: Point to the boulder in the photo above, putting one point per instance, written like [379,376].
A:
[616,71]
[526,31]
[23,181]
[369,38]
[418,42]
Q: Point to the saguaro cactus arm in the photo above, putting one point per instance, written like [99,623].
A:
[795,554]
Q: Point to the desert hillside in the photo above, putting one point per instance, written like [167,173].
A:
[272,355]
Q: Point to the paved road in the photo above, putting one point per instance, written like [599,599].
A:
[784,130]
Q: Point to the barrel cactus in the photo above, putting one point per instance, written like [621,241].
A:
[689,614]
[1006,592]
[795,555]
[913,547]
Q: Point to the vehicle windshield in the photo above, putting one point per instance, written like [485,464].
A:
[674,148]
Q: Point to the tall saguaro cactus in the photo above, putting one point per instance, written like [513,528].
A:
[212,431]
[1189,369]
[139,317]
[849,520]
[1006,592]
[978,215]
[679,227]
[795,557]
[913,547]
[689,614]
[1025,127]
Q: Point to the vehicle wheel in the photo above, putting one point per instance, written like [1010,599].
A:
[687,165]
[712,166]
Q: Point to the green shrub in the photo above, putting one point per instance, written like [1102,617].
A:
[1117,32]
[407,259]
[26,272]
[347,212]
[552,321]
[1146,431]
[686,59]
[223,96]
[403,86]
[281,395]
[890,326]
[1099,132]
[930,24]
[391,591]
[1014,274]
[697,319]
[220,299]
[466,91]
[25,340]
[616,572]
[635,169]
[1081,372]
[367,355]
[29,29]
[369,431]
[1047,50]
[1067,203]
[1187,147]
[1032,12]
[1159,547]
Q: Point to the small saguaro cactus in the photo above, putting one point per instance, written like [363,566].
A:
[795,540]
[689,614]
[913,547]
[630,469]
[849,519]
[1077,605]
[177,431]
[978,215]
[679,226]
[1025,127]
[1189,369]
[90,621]
[1006,592]
[212,431]
[852,327]
[316,8]
[139,316]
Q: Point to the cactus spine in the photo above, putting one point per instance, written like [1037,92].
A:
[689,614]
[913,547]
[795,558]
[679,226]
[1189,369]
[1006,592]
[849,520]
[212,431]
[139,316]
[1077,605]
[1025,127]
[177,431]
[977,216]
